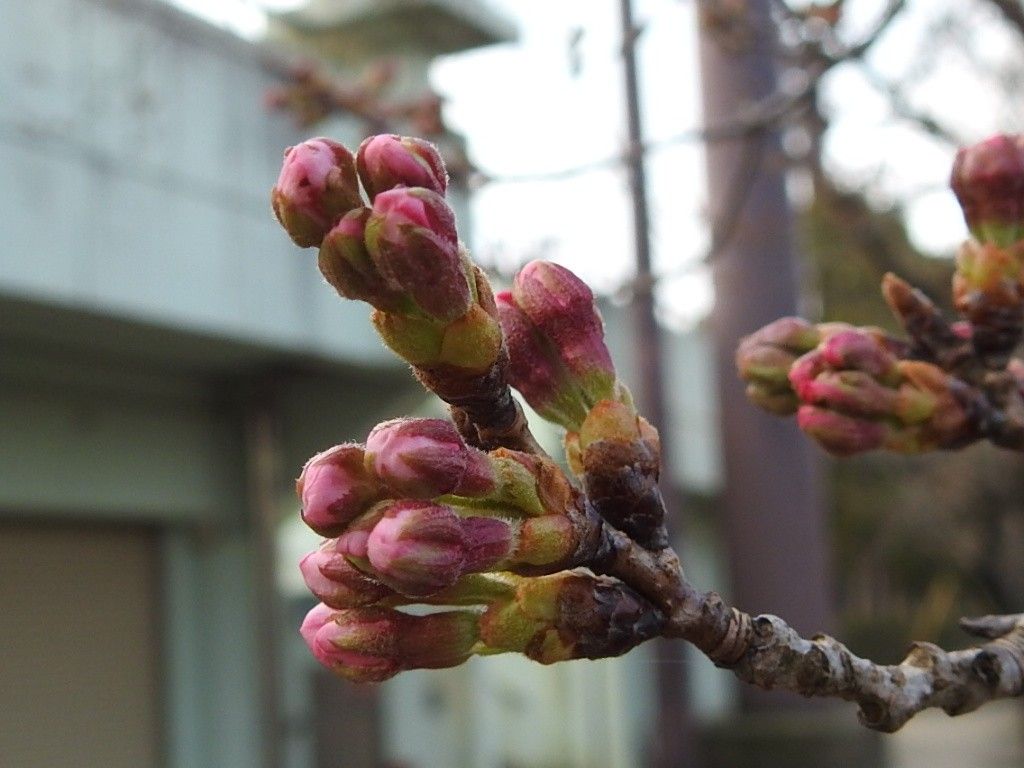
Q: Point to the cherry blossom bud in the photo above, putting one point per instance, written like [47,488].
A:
[388,161]
[555,337]
[336,582]
[536,370]
[793,334]
[561,307]
[335,488]
[839,434]
[346,265]
[858,349]
[852,392]
[988,180]
[317,186]
[426,458]
[419,548]
[412,240]
[765,357]
[373,644]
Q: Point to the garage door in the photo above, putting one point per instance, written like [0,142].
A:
[79,639]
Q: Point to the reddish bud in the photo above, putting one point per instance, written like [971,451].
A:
[561,307]
[373,644]
[839,434]
[335,488]
[336,582]
[419,548]
[536,370]
[851,392]
[860,350]
[555,337]
[316,187]
[988,180]
[793,334]
[358,644]
[412,240]
[346,265]
[426,458]
[388,161]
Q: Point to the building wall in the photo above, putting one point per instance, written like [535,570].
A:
[149,309]
[138,162]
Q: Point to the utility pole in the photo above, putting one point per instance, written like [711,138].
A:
[675,745]
[771,505]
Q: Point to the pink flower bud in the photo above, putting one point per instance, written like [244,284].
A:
[412,239]
[535,368]
[336,582]
[858,349]
[388,161]
[419,548]
[793,334]
[852,392]
[766,364]
[316,187]
[426,458]
[561,307]
[988,180]
[360,644]
[346,265]
[839,434]
[335,488]
[555,338]
[373,644]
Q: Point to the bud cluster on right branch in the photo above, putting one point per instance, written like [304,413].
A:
[950,383]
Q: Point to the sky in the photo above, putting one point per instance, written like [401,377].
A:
[541,106]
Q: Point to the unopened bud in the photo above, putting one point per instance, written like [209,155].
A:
[561,307]
[412,239]
[536,370]
[838,433]
[988,180]
[426,458]
[373,644]
[419,548]
[335,488]
[558,358]
[346,265]
[860,350]
[336,582]
[765,357]
[388,161]
[793,334]
[316,187]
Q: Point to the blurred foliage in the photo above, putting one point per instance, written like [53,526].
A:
[919,541]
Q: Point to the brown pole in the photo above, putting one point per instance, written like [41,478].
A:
[674,739]
[771,506]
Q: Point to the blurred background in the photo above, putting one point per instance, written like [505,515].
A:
[168,360]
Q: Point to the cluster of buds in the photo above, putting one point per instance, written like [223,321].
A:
[559,362]
[397,249]
[856,395]
[567,615]
[855,389]
[417,515]
[988,286]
